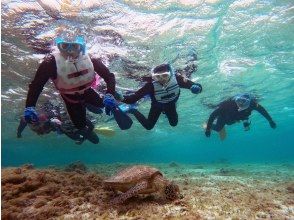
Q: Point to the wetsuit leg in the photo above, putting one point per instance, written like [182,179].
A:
[21,126]
[91,135]
[93,102]
[171,113]
[92,97]
[77,114]
[153,116]
[72,135]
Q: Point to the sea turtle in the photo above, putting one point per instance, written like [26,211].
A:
[140,179]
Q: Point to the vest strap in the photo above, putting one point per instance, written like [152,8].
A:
[77,74]
[76,89]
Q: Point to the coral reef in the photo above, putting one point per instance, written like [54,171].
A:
[29,193]
[217,192]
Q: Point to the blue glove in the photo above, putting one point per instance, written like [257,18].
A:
[196,88]
[110,103]
[30,115]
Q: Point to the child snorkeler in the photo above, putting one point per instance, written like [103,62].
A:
[49,120]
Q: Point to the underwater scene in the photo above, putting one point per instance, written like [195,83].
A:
[133,109]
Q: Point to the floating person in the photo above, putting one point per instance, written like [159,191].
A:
[50,120]
[235,109]
[164,91]
[74,73]
[43,125]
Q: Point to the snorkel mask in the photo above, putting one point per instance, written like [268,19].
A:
[243,101]
[66,46]
[162,73]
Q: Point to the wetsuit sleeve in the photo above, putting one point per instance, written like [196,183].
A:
[104,72]
[184,82]
[262,111]
[147,89]
[46,70]
[212,116]
[21,127]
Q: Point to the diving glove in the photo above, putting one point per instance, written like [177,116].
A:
[196,88]
[109,103]
[30,115]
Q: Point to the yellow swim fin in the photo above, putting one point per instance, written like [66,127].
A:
[106,131]
[222,134]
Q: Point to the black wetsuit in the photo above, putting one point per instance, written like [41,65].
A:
[227,114]
[77,111]
[47,126]
[42,128]
[157,108]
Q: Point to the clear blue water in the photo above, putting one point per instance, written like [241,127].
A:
[242,46]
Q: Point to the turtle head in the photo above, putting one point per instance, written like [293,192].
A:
[172,191]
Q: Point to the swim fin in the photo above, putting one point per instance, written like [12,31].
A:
[122,119]
[92,137]
[106,131]
[89,134]
[128,108]
[94,109]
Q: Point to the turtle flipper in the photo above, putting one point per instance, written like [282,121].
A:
[130,193]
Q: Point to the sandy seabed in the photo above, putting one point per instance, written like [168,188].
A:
[209,191]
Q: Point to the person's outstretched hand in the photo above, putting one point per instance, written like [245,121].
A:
[273,124]
[196,88]
[110,103]
[30,115]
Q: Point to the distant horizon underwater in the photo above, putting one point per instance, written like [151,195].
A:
[241,46]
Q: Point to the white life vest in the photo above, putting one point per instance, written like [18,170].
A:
[74,76]
[167,93]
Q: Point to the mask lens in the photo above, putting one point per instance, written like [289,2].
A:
[242,103]
[69,46]
[64,46]
[76,46]
[165,75]
[161,76]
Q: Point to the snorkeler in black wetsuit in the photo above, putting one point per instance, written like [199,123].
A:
[51,120]
[164,90]
[237,108]
[74,73]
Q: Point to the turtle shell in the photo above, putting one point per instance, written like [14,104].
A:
[133,174]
